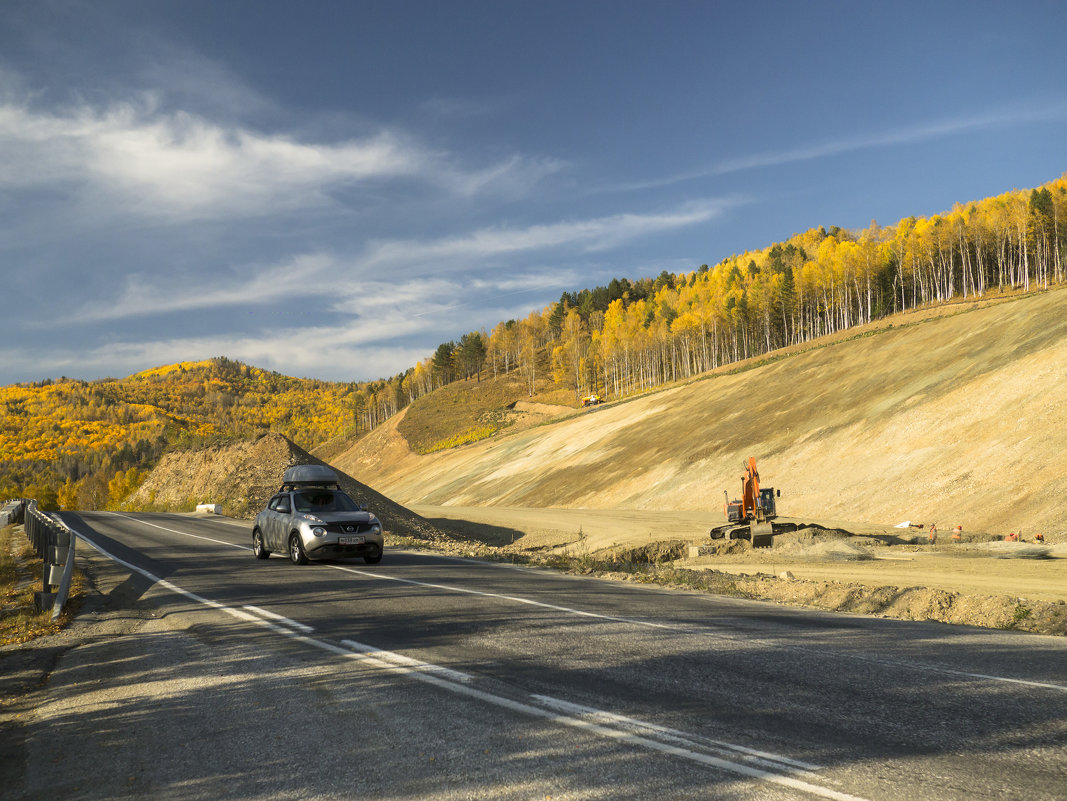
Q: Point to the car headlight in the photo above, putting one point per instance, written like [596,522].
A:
[310,518]
[375,529]
[319,531]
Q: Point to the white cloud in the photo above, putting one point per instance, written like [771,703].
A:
[909,134]
[589,235]
[300,276]
[418,271]
[357,351]
[549,278]
[359,346]
[177,164]
[898,136]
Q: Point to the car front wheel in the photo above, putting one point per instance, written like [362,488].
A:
[297,554]
[373,560]
[257,545]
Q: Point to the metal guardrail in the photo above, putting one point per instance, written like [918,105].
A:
[11,512]
[54,543]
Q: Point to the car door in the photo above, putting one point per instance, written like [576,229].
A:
[280,522]
[270,524]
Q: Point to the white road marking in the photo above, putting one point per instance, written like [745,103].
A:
[446,679]
[280,619]
[400,660]
[182,533]
[247,525]
[742,638]
[772,760]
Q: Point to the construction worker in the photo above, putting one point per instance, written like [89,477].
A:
[957,534]
[1039,538]
[1012,537]
[933,533]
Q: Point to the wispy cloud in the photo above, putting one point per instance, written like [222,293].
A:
[297,352]
[423,274]
[595,234]
[148,295]
[906,135]
[178,164]
[912,134]
[529,281]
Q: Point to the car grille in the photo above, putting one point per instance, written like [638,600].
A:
[350,528]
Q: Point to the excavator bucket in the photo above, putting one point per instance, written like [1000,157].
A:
[762,535]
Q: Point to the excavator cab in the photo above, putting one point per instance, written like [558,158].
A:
[766,500]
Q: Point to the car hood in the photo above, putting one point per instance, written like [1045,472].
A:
[343,517]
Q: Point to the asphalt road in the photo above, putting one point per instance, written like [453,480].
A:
[204,673]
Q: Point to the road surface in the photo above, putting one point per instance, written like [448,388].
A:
[217,676]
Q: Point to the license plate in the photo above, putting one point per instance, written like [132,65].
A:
[351,540]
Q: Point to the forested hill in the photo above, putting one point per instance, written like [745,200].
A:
[87,444]
[630,336]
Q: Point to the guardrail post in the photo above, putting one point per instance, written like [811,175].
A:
[39,533]
[64,578]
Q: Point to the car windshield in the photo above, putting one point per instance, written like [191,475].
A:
[314,501]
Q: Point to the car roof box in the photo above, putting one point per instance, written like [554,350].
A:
[317,474]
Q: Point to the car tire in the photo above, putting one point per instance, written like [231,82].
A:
[297,554]
[257,545]
[373,560]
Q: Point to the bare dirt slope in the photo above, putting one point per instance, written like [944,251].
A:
[959,420]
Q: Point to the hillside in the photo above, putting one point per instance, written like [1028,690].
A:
[81,444]
[958,419]
[73,436]
[242,476]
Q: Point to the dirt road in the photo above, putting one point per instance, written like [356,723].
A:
[969,569]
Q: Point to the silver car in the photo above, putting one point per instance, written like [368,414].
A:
[310,517]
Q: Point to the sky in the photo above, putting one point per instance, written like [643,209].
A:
[333,189]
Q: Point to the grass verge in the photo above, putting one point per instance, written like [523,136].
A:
[20,578]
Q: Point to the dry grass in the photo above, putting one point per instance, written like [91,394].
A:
[447,416]
[20,578]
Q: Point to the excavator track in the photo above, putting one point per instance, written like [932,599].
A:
[760,534]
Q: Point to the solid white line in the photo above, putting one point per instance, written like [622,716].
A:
[631,621]
[247,525]
[182,533]
[408,662]
[600,729]
[280,619]
[577,710]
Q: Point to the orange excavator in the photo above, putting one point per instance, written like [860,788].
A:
[750,516]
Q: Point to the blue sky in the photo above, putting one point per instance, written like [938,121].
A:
[332,189]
